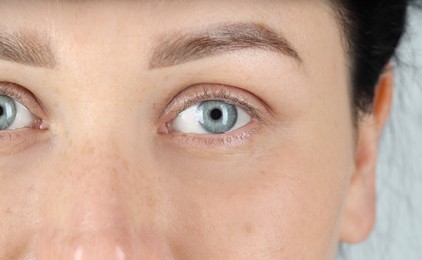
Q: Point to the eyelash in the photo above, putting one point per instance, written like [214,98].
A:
[197,94]
[23,96]
[224,95]
[17,137]
[189,97]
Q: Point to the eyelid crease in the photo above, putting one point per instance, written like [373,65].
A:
[223,95]
[232,95]
[23,96]
[262,118]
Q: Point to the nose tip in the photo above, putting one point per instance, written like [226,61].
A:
[110,253]
[100,225]
[102,246]
[84,246]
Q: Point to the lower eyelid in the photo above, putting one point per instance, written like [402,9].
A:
[230,139]
[13,141]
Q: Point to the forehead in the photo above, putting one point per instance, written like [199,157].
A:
[164,11]
[298,21]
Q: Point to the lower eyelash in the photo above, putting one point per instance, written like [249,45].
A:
[17,140]
[229,139]
[194,95]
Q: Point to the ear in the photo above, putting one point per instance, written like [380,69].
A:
[359,213]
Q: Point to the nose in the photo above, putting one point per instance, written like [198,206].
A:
[102,245]
[97,208]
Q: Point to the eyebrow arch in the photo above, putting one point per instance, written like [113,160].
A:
[178,49]
[26,48]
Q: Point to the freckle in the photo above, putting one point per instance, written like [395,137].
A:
[114,171]
[70,145]
[115,146]
[151,202]
[30,188]
[263,173]
[8,211]
[87,148]
[248,228]
[57,90]
[125,165]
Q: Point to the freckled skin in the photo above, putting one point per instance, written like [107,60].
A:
[103,183]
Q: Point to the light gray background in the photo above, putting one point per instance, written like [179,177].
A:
[398,233]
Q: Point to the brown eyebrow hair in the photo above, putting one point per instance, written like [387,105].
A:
[181,48]
[31,49]
[26,48]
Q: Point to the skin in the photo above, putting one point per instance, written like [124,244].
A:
[106,179]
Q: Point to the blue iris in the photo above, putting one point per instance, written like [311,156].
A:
[217,117]
[7,112]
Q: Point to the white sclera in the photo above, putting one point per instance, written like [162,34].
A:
[188,121]
[24,118]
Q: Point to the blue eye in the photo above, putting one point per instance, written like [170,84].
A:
[210,117]
[14,115]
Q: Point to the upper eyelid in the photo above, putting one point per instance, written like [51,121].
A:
[202,92]
[24,97]
[224,96]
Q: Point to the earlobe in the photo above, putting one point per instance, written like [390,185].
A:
[359,210]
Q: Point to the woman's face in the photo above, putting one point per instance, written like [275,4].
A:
[174,130]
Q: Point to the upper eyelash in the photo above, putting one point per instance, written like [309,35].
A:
[221,94]
[10,92]
[25,98]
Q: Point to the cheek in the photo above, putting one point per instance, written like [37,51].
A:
[284,202]
[19,201]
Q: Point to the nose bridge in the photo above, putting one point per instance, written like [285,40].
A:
[93,214]
[97,197]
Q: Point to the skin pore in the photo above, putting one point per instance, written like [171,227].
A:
[103,173]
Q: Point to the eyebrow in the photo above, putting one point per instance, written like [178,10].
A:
[26,48]
[181,48]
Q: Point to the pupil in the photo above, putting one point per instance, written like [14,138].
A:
[1,111]
[216,114]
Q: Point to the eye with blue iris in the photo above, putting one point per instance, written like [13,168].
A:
[211,117]
[13,115]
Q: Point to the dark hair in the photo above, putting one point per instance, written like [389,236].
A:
[373,29]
